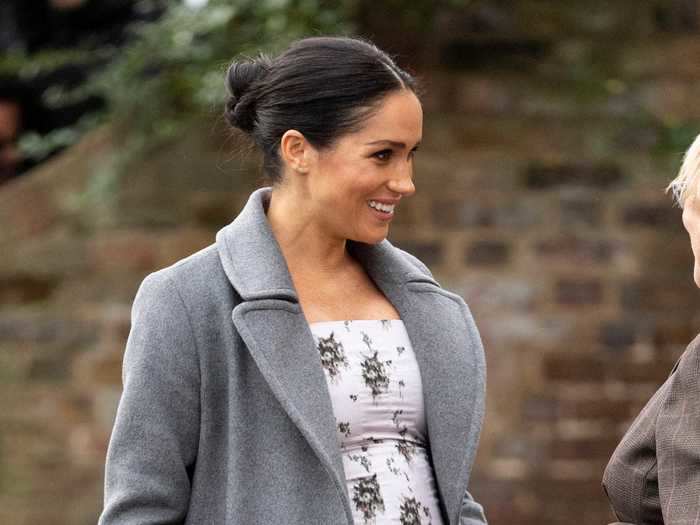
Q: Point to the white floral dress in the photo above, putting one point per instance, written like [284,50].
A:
[377,396]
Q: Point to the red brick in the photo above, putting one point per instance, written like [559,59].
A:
[581,209]
[26,209]
[598,409]
[575,249]
[124,251]
[647,215]
[579,292]
[574,368]
[619,334]
[25,289]
[487,253]
[655,372]
[596,175]
[590,448]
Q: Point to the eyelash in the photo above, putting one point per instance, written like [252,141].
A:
[383,155]
[379,154]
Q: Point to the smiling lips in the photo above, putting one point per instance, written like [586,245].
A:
[386,208]
[384,212]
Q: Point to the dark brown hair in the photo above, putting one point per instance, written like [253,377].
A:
[323,87]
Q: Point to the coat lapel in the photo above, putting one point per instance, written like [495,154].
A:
[277,336]
[450,357]
[448,354]
[446,343]
[270,321]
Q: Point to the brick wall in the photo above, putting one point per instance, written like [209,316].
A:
[550,134]
[68,275]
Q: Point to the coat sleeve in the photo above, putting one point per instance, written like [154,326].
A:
[154,441]
[678,442]
[472,513]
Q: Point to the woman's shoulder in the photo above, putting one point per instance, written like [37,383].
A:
[197,263]
[198,279]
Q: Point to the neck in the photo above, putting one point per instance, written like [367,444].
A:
[306,248]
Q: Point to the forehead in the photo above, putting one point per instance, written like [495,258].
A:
[399,117]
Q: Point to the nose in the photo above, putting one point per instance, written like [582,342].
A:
[402,181]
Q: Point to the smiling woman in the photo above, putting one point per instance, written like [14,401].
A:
[350,189]
[302,369]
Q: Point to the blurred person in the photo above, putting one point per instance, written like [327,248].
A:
[10,126]
[34,26]
[10,39]
[50,24]
[653,476]
[302,369]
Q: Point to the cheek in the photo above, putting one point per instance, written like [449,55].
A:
[688,222]
[692,230]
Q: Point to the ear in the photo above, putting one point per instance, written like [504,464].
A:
[296,151]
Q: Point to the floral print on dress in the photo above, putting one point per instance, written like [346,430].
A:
[391,465]
[375,375]
[411,511]
[376,393]
[367,498]
[406,449]
[332,355]
[362,460]
[344,428]
[401,429]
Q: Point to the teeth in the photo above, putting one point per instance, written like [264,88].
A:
[386,208]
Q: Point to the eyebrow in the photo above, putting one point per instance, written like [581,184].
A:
[393,143]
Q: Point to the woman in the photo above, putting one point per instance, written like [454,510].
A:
[302,370]
[653,476]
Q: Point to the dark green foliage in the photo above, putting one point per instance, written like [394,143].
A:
[171,72]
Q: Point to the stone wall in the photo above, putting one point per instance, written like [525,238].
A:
[550,134]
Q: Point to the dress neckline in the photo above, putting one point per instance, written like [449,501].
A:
[345,321]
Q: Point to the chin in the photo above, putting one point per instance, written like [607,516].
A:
[371,239]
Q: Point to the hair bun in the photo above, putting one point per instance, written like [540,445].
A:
[240,77]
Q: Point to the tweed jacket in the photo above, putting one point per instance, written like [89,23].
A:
[653,476]
[225,415]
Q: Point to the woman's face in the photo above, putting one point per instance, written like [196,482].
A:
[691,221]
[355,186]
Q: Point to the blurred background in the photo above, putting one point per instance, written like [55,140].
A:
[551,130]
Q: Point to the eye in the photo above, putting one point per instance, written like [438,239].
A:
[383,155]
[412,153]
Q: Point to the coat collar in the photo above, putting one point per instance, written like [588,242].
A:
[249,238]
[272,325]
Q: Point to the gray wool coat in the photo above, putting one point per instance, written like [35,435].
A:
[225,415]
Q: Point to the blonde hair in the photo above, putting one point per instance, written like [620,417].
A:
[686,182]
